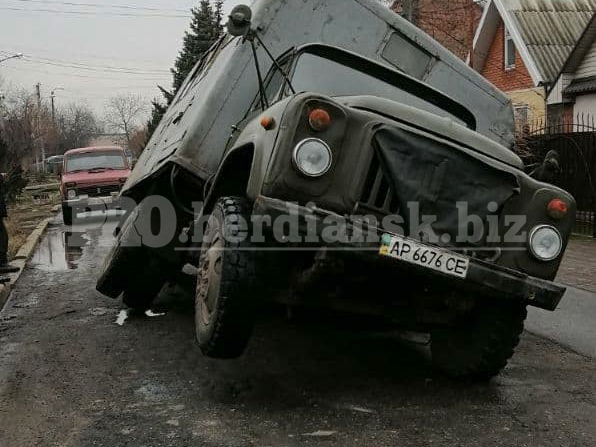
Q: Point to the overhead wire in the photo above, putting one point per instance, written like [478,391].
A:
[97,13]
[100,5]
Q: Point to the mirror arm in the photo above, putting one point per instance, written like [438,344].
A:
[263,96]
[281,70]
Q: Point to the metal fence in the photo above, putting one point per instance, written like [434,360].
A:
[575,142]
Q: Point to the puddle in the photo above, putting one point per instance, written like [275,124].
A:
[59,251]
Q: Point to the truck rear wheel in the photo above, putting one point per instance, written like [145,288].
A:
[67,215]
[480,348]
[142,288]
[130,270]
[224,308]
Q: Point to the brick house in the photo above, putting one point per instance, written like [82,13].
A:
[521,46]
[452,23]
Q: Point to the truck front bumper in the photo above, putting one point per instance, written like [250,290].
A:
[93,203]
[483,278]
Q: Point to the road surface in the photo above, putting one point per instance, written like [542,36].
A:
[71,376]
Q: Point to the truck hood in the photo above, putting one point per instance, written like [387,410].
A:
[443,126]
[95,178]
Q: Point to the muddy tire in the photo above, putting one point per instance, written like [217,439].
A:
[226,282]
[122,261]
[67,215]
[141,290]
[480,348]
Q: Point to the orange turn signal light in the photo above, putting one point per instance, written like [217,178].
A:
[557,209]
[319,120]
[267,122]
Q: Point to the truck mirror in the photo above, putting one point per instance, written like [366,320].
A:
[239,20]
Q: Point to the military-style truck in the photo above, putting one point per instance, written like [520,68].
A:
[330,155]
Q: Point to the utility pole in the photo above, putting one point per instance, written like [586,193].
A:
[41,142]
[52,96]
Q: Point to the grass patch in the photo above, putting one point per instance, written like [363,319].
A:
[25,215]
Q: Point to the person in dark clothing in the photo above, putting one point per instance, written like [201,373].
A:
[550,169]
[5,267]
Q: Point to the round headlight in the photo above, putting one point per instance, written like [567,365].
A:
[72,194]
[313,157]
[546,243]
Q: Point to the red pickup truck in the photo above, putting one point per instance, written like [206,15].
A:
[92,178]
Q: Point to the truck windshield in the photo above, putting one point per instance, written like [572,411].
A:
[314,73]
[88,161]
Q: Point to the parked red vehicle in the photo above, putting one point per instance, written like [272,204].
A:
[92,178]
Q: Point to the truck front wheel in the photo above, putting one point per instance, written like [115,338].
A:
[482,345]
[224,304]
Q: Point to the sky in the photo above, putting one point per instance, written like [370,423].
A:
[91,50]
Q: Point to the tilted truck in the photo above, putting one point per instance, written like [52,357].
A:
[339,117]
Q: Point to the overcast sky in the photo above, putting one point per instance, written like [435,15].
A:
[93,49]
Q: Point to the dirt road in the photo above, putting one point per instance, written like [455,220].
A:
[71,376]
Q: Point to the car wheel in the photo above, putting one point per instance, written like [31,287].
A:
[226,282]
[481,347]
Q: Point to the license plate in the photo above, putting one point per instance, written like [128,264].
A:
[99,200]
[428,256]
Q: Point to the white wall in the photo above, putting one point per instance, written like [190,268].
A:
[585,104]
[556,94]
[588,64]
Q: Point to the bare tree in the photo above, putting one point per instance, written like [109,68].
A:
[125,113]
[76,125]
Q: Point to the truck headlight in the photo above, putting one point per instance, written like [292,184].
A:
[72,194]
[312,157]
[545,242]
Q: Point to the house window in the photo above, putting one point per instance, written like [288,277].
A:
[509,50]
[521,112]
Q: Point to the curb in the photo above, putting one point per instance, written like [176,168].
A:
[21,258]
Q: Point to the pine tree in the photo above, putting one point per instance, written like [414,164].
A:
[205,28]
[202,34]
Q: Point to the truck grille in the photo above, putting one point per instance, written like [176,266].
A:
[377,195]
[98,191]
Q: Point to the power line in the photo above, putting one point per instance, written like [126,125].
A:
[24,49]
[155,79]
[89,67]
[96,13]
[99,5]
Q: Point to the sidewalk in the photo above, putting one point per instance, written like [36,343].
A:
[578,268]
[572,324]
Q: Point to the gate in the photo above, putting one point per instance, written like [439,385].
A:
[575,142]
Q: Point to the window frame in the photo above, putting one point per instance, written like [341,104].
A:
[508,40]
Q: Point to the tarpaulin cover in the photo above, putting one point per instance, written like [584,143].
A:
[437,176]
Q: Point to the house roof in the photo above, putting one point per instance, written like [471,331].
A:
[582,47]
[544,31]
[582,85]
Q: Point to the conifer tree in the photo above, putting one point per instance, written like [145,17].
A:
[205,28]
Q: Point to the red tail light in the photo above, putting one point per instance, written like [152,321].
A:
[557,209]
[319,120]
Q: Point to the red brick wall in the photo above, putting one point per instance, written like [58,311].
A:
[451,22]
[517,78]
